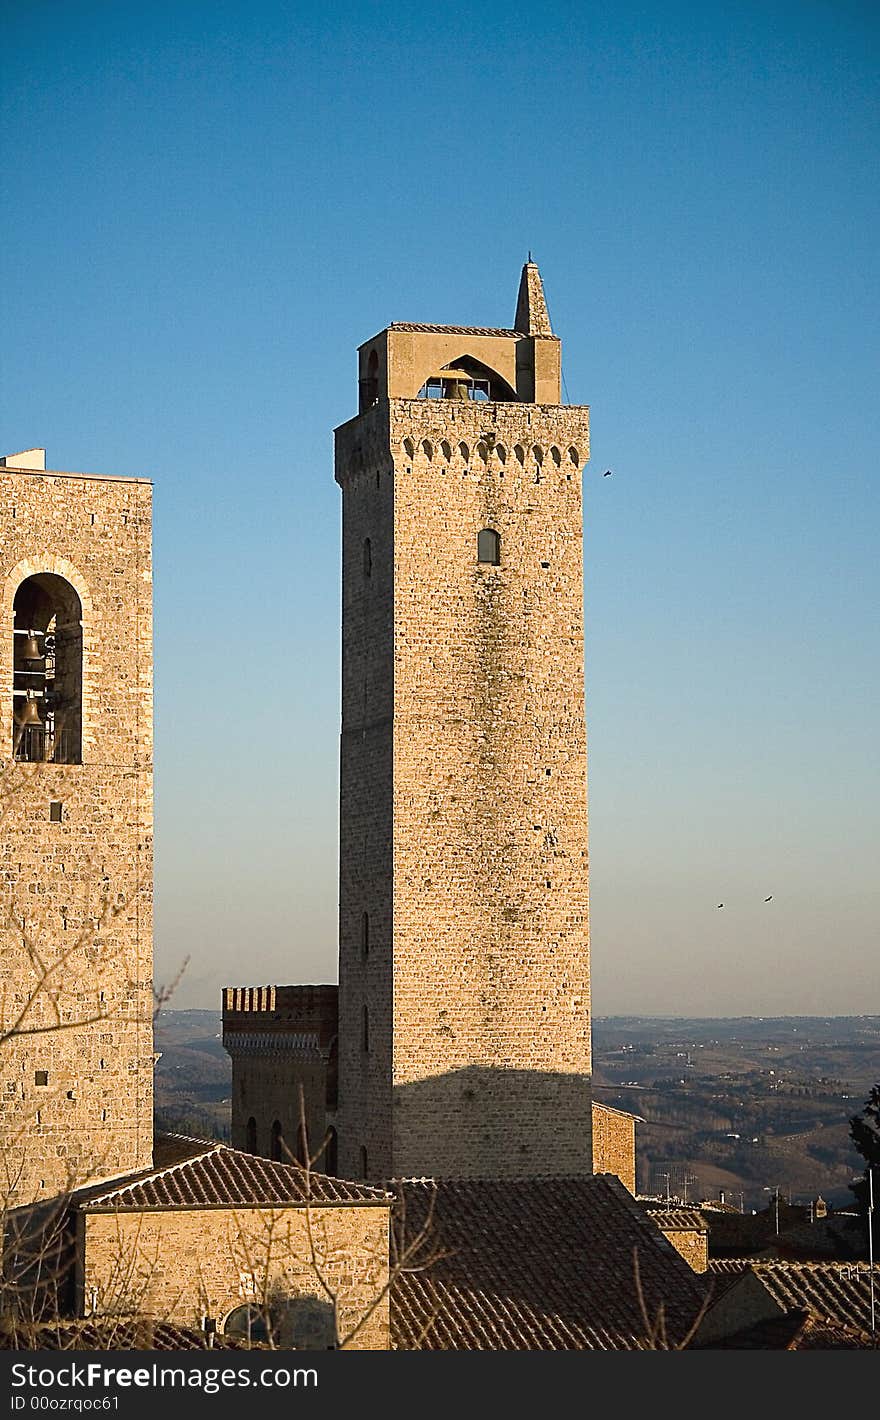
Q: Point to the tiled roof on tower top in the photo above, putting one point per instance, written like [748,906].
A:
[220,1177]
[451,329]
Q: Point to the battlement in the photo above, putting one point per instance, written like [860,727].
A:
[282,1010]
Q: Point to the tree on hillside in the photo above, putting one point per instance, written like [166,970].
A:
[864,1130]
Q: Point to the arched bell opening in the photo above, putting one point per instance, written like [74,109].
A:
[47,671]
[467,379]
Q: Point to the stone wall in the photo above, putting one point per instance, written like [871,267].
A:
[184,1265]
[614,1144]
[76,879]
[282,1039]
[463,811]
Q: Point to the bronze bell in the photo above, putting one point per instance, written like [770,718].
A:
[31,649]
[30,715]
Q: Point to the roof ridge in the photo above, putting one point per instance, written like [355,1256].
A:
[155,1174]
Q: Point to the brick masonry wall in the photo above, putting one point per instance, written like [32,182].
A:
[183,1265]
[614,1144]
[77,895]
[693,1246]
[464,792]
[280,1039]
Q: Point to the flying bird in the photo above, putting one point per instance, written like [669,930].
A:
[719,904]
[607,473]
[769,899]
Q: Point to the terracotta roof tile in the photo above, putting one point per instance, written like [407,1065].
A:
[541,1264]
[795,1330]
[220,1177]
[839,1293]
[416,328]
[112,1334]
[679,1220]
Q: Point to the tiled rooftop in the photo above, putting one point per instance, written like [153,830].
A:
[794,1331]
[211,1175]
[544,1264]
[679,1220]
[836,1292]
[451,329]
[111,1334]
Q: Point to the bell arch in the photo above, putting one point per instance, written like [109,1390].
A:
[47,656]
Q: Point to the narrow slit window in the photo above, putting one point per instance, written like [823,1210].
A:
[55,811]
[251,1136]
[365,1173]
[277,1151]
[489,547]
[365,934]
[365,1038]
[368,557]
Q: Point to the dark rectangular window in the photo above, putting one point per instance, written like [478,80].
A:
[54,811]
[41,1077]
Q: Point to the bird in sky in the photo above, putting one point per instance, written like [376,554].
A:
[607,473]
[769,899]
[719,904]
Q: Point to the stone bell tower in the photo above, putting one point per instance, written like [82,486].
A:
[76,1039]
[464,980]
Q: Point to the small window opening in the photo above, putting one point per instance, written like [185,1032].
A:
[365,934]
[55,811]
[368,557]
[489,547]
[365,1172]
[365,1036]
[332,1087]
[251,1135]
[277,1147]
[369,385]
[331,1153]
[41,1077]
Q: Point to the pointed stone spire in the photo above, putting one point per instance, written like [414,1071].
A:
[532,317]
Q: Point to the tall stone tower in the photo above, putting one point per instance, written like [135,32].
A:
[76,1044]
[464,982]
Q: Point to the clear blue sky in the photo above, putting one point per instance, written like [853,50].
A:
[208,206]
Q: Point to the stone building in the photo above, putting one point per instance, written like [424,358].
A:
[76,764]
[460,1045]
[86,1205]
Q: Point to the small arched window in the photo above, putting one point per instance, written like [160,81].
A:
[277,1150]
[47,671]
[331,1100]
[368,557]
[365,1026]
[248,1322]
[365,934]
[331,1151]
[369,391]
[489,546]
[251,1136]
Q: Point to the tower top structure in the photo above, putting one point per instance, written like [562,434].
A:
[532,316]
[413,360]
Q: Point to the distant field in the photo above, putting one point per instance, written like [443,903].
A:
[741,1105]
[744,1105]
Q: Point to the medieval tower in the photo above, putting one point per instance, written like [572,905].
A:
[464,983]
[76,772]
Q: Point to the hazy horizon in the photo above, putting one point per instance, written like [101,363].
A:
[212,205]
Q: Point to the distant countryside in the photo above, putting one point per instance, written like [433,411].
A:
[736,1107]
